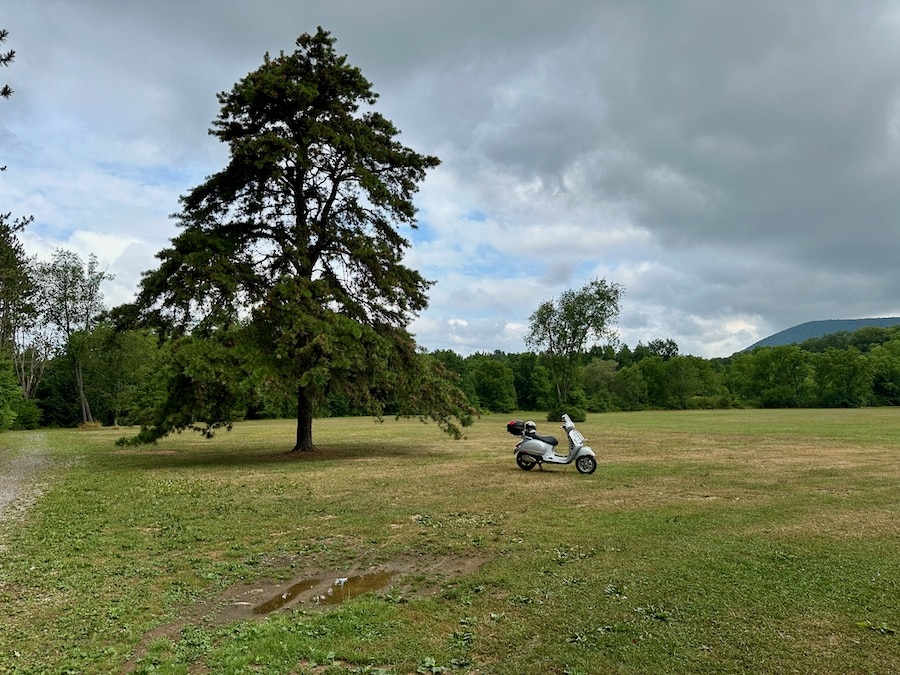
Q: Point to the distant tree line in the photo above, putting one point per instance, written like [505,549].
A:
[121,377]
[843,369]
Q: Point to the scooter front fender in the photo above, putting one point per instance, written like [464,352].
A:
[585,450]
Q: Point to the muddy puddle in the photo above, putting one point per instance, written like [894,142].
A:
[315,590]
[323,589]
[319,592]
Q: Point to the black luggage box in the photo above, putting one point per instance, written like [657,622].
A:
[515,427]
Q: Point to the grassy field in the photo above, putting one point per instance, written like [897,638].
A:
[706,542]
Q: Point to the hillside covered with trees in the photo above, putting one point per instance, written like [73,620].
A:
[816,329]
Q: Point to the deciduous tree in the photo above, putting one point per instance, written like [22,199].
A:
[70,301]
[843,377]
[564,329]
[494,383]
[885,362]
[10,396]
[665,349]
[598,377]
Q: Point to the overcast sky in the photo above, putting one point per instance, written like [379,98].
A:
[735,166]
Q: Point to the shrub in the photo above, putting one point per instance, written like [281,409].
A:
[28,415]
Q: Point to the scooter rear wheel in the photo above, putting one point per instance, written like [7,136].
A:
[525,462]
[586,464]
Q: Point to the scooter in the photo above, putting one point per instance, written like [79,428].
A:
[536,450]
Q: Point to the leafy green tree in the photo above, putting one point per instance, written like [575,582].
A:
[665,349]
[564,329]
[197,386]
[641,352]
[70,301]
[456,364]
[843,377]
[629,388]
[737,371]
[884,360]
[784,371]
[119,367]
[534,389]
[541,386]
[10,395]
[692,382]
[598,377]
[837,340]
[772,377]
[24,336]
[57,395]
[683,381]
[653,372]
[494,384]
[301,234]
[625,357]
[868,337]
[713,391]
[33,351]
[531,380]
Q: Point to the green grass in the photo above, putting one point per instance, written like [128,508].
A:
[706,542]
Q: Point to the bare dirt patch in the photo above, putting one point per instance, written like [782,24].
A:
[315,589]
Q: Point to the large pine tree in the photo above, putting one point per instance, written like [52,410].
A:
[298,241]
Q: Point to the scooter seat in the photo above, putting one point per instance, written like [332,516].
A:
[549,440]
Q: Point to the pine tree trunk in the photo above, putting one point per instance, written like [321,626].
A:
[304,421]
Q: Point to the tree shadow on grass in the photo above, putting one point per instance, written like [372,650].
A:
[153,457]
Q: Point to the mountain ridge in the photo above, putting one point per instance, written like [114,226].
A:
[816,329]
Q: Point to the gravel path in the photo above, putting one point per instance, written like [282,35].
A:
[20,474]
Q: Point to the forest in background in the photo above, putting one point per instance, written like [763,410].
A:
[125,375]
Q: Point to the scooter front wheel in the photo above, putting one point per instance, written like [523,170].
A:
[586,464]
[525,462]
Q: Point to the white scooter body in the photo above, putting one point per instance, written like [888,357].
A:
[536,450]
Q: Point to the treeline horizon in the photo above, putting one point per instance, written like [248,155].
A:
[126,374]
[842,369]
